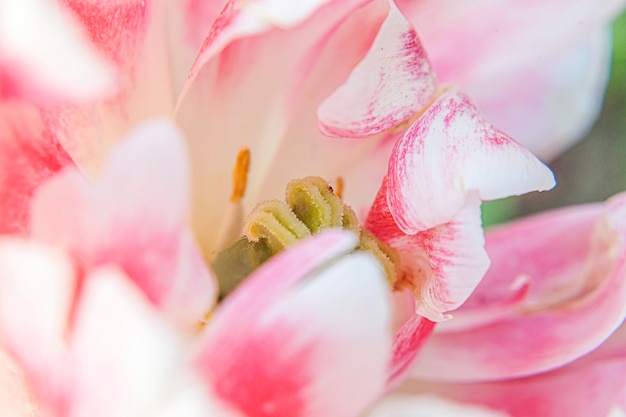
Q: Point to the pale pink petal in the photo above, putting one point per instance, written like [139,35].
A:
[319,346]
[517,277]
[537,70]
[135,218]
[43,55]
[37,290]
[589,389]
[441,265]
[238,96]
[427,406]
[16,398]
[392,83]
[130,33]
[126,360]
[449,152]
[579,301]
[29,155]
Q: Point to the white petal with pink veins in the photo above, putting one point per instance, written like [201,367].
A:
[450,151]
[317,346]
[441,265]
[392,83]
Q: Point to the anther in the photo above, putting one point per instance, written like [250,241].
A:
[339,187]
[240,175]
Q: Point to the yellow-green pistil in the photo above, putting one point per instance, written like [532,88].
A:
[310,206]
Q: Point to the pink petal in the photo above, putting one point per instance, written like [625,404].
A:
[316,342]
[427,406]
[43,55]
[591,386]
[407,343]
[392,83]
[135,218]
[273,78]
[579,299]
[449,152]
[37,290]
[29,155]
[126,360]
[441,265]
[542,86]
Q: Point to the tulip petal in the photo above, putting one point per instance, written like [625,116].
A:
[579,301]
[427,406]
[43,55]
[36,296]
[316,343]
[574,391]
[407,343]
[122,343]
[136,218]
[29,155]
[441,265]
[547,93]
[392,83]
[449,152]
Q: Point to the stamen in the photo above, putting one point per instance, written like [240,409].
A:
[240,175]
[311,205]
[339,187]
[230,228]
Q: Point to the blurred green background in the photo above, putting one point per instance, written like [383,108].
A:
[593,169]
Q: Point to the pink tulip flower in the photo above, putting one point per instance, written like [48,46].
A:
[320,333]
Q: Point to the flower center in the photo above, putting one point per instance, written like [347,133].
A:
[311,205]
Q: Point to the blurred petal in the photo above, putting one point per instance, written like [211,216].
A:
[450,151]
[427,406]
[130,33]
[16,400]
[392,83]
[136,218]
[120,342]
[44,56]
[579,301]
[318,346]
[29,155]
[549,91]
[36,294]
